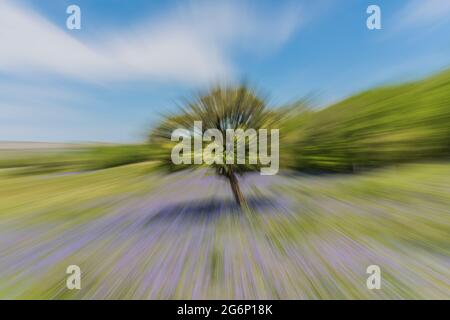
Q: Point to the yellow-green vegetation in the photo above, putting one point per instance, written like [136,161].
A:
[315,240]
[396,124]
[63,196]
[75,159]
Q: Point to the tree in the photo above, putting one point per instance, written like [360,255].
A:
[221,108]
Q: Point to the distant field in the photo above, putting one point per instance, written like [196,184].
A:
[139,234]
[25,158]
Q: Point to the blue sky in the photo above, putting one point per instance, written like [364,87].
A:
[133,60]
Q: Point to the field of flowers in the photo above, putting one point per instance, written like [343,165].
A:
[137,233]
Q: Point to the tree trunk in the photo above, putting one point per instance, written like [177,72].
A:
[237,193]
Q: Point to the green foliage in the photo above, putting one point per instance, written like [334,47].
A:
[403,123]
[108,157]
[74,160]
[221,108]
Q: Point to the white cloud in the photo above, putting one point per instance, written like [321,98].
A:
[192,44]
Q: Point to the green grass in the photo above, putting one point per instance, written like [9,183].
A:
[337,225]
[60,196]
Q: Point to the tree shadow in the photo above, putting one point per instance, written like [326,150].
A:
[209,210]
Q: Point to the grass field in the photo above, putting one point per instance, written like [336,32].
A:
[136,233]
